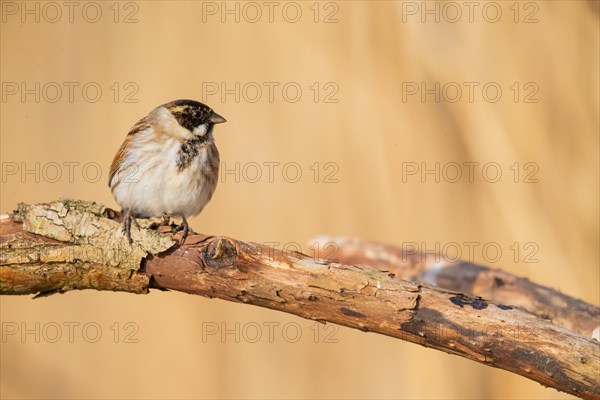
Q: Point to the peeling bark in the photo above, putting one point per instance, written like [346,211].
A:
[351,295]
[80,249]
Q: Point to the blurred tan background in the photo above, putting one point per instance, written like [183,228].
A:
[356,123]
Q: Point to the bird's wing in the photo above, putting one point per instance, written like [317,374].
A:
[140,126]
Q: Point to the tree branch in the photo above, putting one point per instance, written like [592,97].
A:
[489,283]
[74,245]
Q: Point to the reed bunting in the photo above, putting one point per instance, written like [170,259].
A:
[168,164]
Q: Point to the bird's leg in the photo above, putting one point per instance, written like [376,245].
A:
[137,225]
[127,215]
[186,229]
[127,219]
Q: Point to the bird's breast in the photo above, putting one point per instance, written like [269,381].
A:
[189,150]
[169,175]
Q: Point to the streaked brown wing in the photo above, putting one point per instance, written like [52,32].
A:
[141,125]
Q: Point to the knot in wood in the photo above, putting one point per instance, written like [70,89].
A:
[220,252]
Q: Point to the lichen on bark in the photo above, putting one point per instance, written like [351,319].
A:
[96,255]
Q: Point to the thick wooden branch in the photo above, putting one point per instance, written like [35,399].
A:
[489,283]
[73,245]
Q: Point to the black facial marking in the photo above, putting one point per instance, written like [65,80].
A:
[190,113]
[191,148]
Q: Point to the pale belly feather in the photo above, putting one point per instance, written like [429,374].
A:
[155,185]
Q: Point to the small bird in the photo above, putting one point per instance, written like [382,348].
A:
[168,164]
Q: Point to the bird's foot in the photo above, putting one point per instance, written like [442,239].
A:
[185,229]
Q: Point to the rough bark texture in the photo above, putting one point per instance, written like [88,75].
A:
[489,283]
[80,249]
[355,296]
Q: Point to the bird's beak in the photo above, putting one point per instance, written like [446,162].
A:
[216,118]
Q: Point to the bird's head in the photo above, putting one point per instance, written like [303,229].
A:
[194,116]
